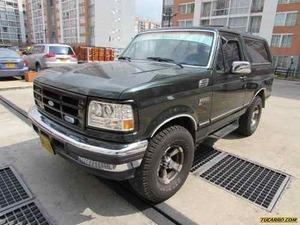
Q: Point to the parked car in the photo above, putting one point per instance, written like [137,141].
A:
[11,63]
[44,56]
[140,118]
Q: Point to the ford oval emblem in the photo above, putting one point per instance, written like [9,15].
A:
[50,103]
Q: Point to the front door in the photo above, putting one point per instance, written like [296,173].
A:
[228,88]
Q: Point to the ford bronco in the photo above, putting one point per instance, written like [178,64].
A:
[139,118]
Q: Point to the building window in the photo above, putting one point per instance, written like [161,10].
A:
[238,23]
[186,8]
[219,22]
[206,7]
[281,40]
[255,22]
[239,6]
[185,23]
[286,41]
[220,8]
[275,42]
[282,61]
[286,19]
[288,1]
[257,6]
[204,22]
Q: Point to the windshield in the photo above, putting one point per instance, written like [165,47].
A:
[191,48]
[60,50]
[6,53]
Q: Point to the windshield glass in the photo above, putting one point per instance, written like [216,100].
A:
[60,50]
[191,48]
[6,53]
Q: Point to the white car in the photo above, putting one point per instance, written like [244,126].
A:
[43,56]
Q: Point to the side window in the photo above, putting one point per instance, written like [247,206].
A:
[257,51]
[231,53]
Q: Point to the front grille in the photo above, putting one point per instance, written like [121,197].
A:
[60,105]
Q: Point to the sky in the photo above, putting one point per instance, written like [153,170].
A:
[149,9]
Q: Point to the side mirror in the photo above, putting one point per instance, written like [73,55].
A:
[241,67]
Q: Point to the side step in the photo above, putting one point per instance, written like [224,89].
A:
[225,130]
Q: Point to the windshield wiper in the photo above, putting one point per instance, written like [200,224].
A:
[161,59]
[125,58]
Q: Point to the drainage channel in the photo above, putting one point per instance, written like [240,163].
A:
[17,204]
[256,183]
[160,213]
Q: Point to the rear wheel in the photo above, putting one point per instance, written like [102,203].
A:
[166,164]
[250,120]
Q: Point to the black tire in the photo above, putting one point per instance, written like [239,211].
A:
[37,67]
[148,182]
[247,125]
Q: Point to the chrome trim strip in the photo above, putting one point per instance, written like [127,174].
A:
[37,119]
[255,95]
[172,118]
[227,113]
[204,123]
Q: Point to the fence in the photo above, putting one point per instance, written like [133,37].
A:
[88,54]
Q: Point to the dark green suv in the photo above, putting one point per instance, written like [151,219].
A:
[140,118]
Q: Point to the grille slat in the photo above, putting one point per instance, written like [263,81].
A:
[256,183]
[60,104]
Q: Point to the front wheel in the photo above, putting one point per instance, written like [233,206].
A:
[250,120]
[166,164]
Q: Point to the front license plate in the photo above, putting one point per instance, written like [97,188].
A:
[10,65]
[45,142]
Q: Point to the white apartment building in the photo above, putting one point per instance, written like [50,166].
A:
[144,24]
[253,16]
[88,22]
[12,28]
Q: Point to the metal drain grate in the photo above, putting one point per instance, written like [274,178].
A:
[12,189]
[203,156]
[255,183]
[27,214]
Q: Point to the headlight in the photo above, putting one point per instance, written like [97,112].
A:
[117,117]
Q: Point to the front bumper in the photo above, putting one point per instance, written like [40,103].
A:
[110,160]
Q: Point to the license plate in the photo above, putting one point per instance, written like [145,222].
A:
[45,142]
[10,65]
[62,60]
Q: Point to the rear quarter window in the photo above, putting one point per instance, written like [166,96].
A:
[258,51]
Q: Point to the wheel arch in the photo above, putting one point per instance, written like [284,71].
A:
[185,120]
[262,94]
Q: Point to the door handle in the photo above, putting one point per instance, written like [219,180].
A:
[243,78]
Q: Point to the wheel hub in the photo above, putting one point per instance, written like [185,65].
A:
[170,164]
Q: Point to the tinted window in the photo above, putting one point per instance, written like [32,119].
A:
[257,51]
[60,50]
[6,53]
[231,52]
[38,49]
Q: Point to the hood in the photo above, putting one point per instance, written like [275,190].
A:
[105,80]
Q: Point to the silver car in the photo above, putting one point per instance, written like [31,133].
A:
[44,56]
[11,64]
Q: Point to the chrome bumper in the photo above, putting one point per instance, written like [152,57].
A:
[45,125]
